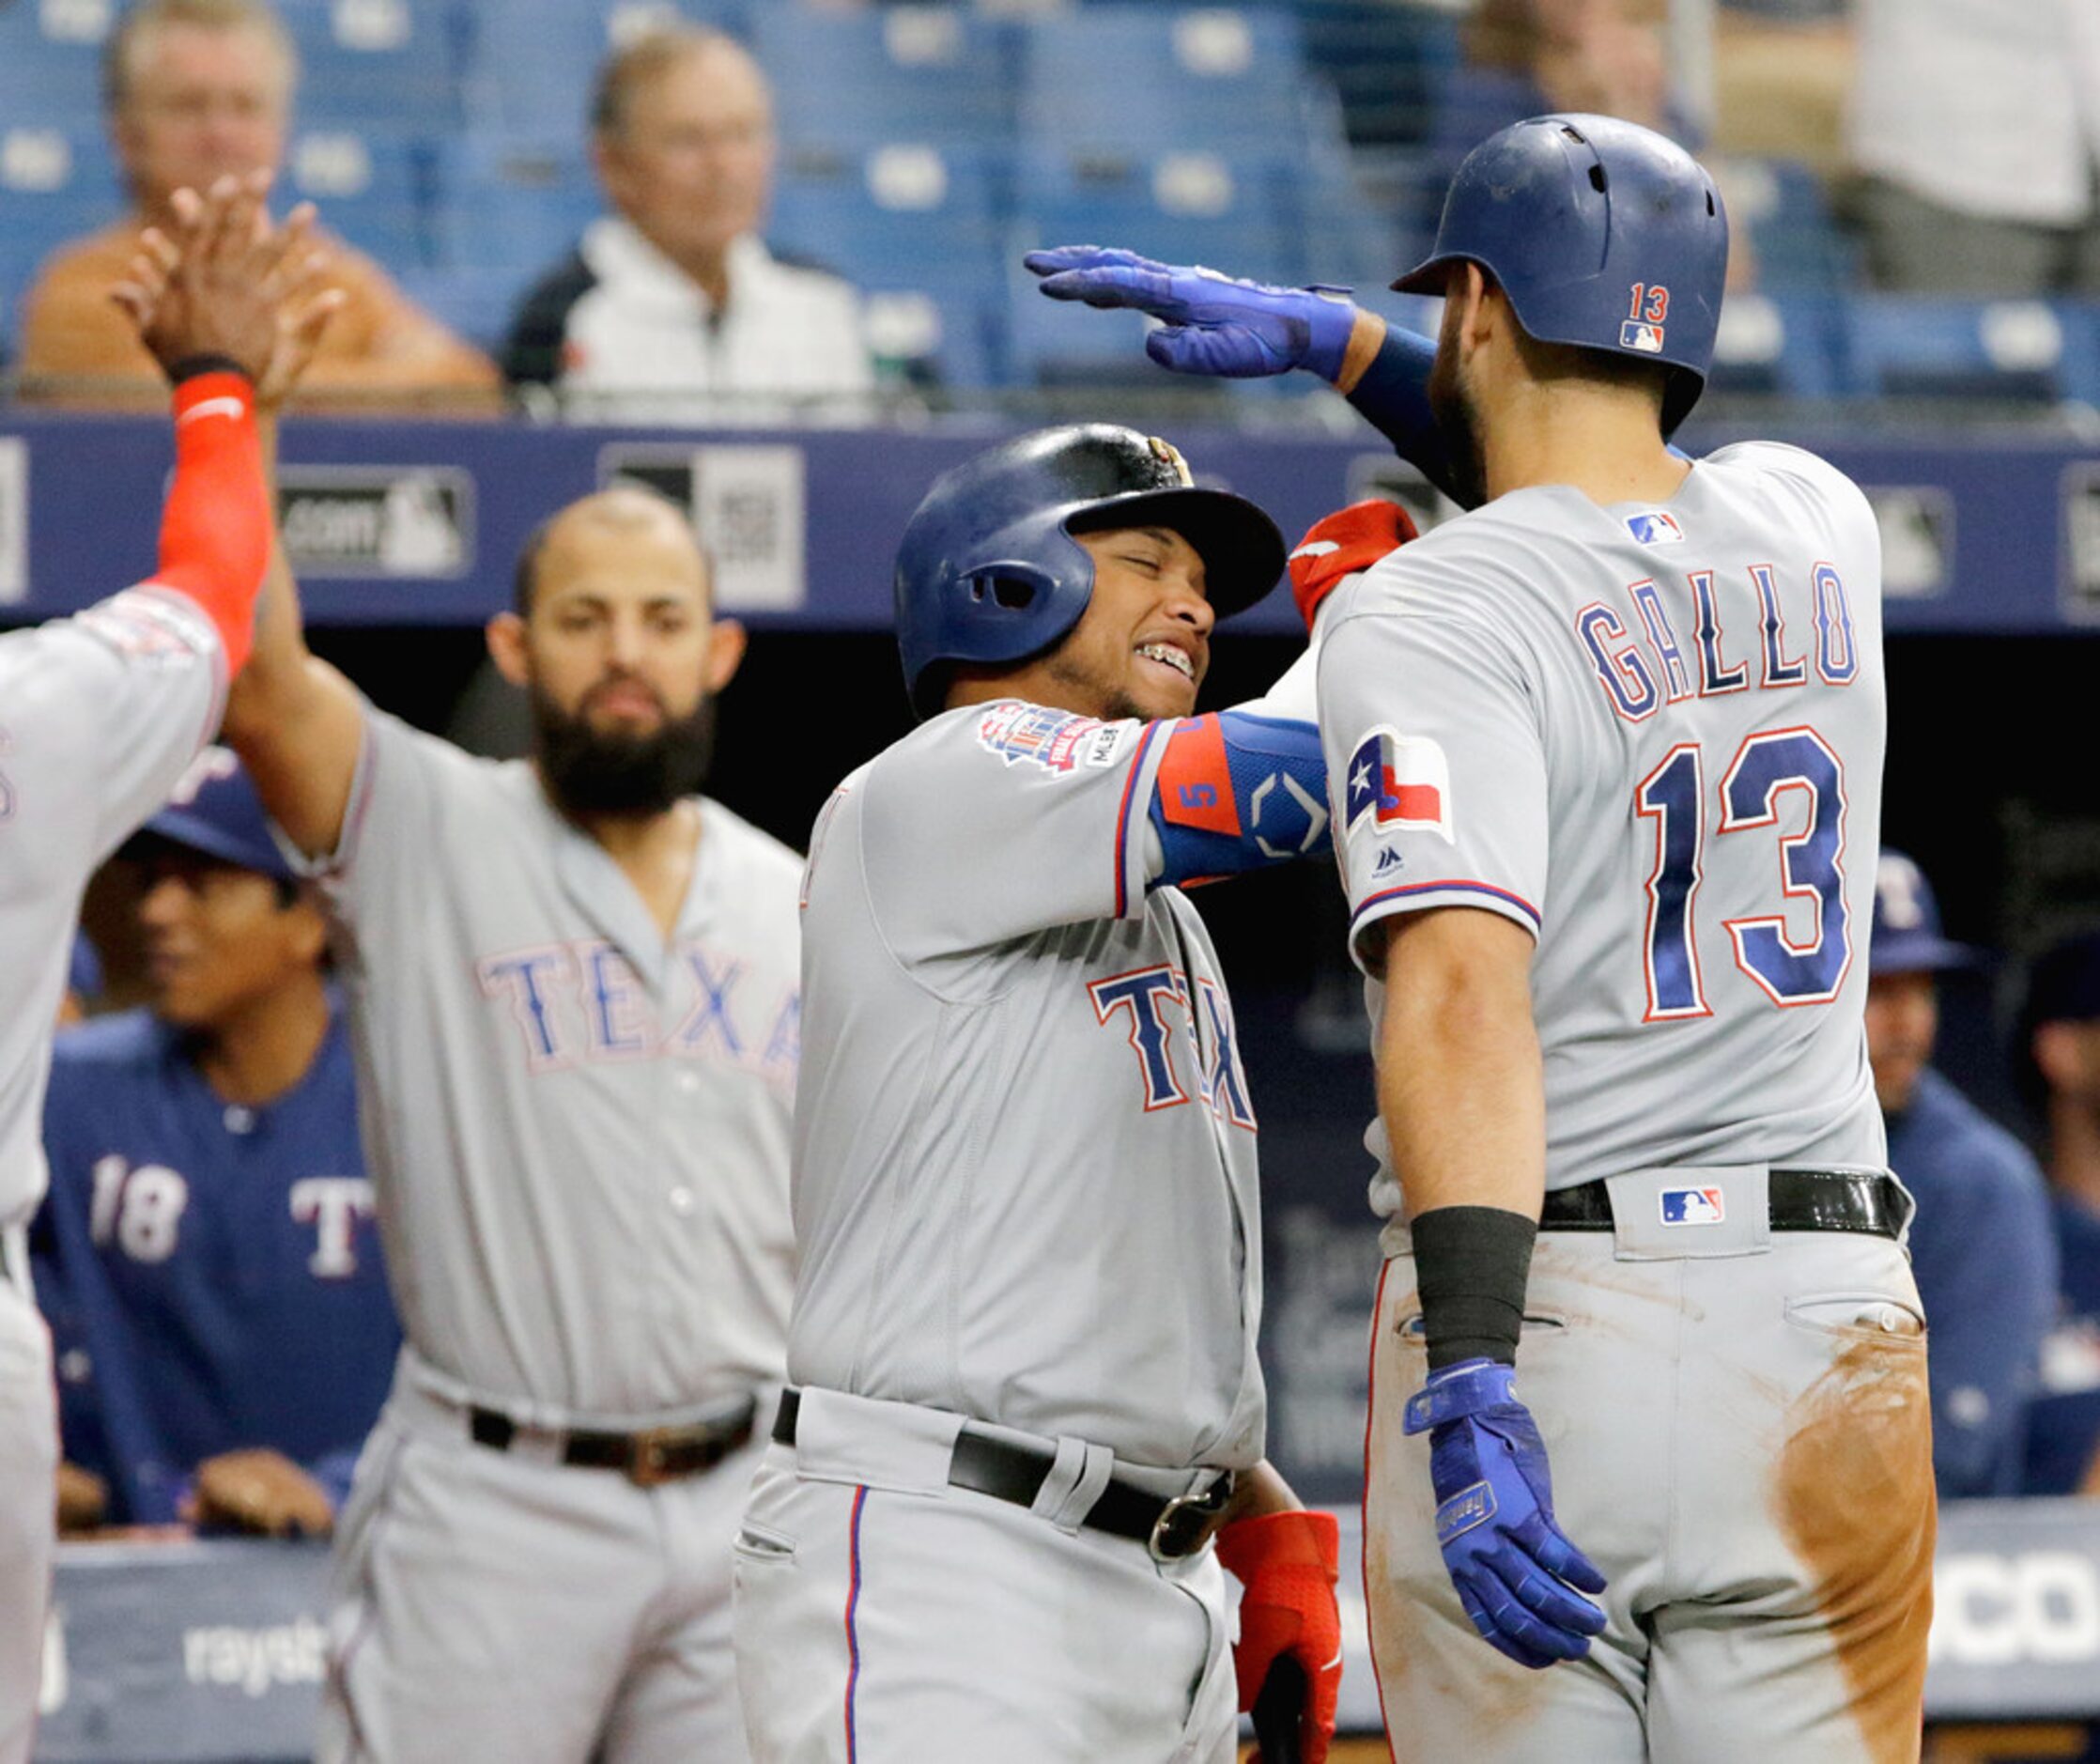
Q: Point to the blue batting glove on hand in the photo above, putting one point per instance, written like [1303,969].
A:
[1494,1519]
[1211,323]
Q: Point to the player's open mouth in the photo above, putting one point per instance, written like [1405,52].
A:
[1170,656]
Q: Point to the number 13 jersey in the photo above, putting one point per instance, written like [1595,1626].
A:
[1652,734]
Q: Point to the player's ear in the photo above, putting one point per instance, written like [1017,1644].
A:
[726,643]
[2055,1054]
[505,635]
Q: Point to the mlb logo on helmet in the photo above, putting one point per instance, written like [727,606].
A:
[1402,781]
[1634,334]
[1693,1206]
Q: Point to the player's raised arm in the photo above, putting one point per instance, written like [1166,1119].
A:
[295,721]
[207,298]
[1225,327]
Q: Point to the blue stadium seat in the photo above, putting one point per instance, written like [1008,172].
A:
[911,72]
[477,303]
[530,65]
[51,57]
[1781,207]
[1233,214]
[56,184]
[889,208]
[511,203]
[378,64]
[1149,79]
[948,320]
[1901,345]
[1789,345]
[373,189]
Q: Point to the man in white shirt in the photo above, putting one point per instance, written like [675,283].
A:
[1976,125]
[672,308]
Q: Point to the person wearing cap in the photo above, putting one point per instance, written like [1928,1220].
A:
[1981,1247]
[207,1256]
[2059,1035]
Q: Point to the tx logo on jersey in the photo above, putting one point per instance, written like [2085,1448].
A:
[1401,781]
[1140,1001]
[1693,1206]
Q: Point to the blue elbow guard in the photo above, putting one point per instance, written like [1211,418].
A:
[1394,398]
[1239,792]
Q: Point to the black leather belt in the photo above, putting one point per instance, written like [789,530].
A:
[655,1455]
[1797,1200]
[1169,1526]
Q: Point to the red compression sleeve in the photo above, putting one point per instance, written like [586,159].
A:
[215,529]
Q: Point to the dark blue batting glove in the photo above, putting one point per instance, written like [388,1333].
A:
[1211,323]
[1494,1520]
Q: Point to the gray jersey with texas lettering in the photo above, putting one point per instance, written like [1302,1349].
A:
[577,1131]
[98,716]
[1651,735]
[1025,1184]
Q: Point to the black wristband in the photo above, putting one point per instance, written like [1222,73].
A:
[194,366]
[1472,1266]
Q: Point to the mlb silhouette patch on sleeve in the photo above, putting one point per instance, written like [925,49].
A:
[1693,1206]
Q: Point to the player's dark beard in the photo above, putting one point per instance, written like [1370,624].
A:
[589,773]
[1458,422]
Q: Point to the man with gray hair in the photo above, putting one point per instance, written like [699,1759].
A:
[672,306]
[195,91]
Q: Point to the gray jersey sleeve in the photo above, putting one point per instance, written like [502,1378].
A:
[137,682]
[1437,769]
[997,821]
[389,827]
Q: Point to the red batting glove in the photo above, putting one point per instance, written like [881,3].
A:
[1289,1563]
[1349,540]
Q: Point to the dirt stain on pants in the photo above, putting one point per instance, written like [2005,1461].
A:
[1852,1492]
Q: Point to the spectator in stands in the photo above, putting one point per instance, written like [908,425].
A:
[206,1257]
[195,89]
[1975,126]
[672,306]
[2061,1039]
[1981,1244]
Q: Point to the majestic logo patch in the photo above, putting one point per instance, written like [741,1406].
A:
[1657,527]
[1693,1206]
[1401,781]
[1389,862]
[1052,739]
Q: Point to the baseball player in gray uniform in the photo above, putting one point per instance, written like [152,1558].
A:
[1607,754]
[100,715]
[1024,1388]
[573,996]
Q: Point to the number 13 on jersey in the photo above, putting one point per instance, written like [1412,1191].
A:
[1770,766]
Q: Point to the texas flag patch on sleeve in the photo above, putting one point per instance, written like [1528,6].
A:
[1401,783]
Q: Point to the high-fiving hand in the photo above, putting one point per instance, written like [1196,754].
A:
[222,280]
[1211,323]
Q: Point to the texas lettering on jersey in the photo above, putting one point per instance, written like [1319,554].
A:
[1140,1002]
[582,1003]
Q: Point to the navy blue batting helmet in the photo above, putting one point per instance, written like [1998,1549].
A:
[989,570]
[214,810]
[1602,233]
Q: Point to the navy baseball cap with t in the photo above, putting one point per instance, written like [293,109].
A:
[1906,935]
[215,810]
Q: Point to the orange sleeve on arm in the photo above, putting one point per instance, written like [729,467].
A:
[215,529]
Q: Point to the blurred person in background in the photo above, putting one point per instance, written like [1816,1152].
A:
[193,90]
[207,1256]
[2061,1039]
[671,308]
[1974,125]
[1981,1249]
